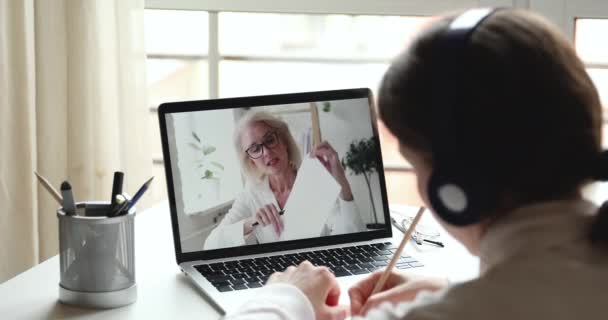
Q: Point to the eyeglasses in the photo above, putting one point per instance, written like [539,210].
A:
[256,150]
[422,231]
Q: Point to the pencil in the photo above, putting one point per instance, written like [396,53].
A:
[397,254]
[45,183]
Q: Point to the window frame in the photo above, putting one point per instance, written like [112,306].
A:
[354,7]
[565,12]
[561,12]
[359,7]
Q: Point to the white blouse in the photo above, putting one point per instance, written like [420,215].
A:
[536,263]
[343,218]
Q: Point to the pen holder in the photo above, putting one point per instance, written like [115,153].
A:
[96,254]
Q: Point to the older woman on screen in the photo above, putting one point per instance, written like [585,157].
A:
[270,160]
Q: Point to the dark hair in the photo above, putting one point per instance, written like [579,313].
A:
[530,115]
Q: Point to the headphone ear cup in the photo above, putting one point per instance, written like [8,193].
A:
[460,200]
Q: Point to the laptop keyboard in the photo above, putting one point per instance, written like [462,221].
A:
[345,261]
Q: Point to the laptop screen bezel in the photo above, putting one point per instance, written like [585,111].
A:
[256,101]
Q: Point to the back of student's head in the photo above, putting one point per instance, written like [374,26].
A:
[527,114]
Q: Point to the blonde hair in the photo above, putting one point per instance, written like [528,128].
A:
[247,166]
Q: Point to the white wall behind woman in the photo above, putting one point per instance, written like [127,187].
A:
[214,128]
[348,121]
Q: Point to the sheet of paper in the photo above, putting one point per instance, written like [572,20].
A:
[312,197]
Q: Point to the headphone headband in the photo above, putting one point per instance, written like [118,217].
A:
[458,193]
[470,19]
[450,73]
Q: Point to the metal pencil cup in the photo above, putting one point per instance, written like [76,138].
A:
[96,257]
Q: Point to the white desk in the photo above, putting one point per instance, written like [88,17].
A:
[163,292]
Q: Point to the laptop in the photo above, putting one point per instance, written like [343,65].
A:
[220,158]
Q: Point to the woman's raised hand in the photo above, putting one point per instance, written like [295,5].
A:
[331,161]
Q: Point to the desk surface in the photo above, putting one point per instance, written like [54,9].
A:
[163,292]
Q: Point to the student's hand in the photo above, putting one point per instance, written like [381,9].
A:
[269,214]
[320,287]
[397,288]
[331,161]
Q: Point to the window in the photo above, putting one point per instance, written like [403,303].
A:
[586,22]
[209,49]
[275,53]
[594,52]
[176,69]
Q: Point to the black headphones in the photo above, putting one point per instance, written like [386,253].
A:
[459,191]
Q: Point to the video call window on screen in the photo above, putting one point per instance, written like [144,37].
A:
[222,161]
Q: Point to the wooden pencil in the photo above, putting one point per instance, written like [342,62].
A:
[397,254]
[47,185]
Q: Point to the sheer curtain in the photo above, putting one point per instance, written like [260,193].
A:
[72,106]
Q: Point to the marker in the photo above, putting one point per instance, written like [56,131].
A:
[68,199]
[138,194]
[116,186]
[122,202]
[280,213]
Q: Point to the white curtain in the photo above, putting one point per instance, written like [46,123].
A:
[72,107]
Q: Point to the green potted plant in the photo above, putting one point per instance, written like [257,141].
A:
[209,169]
[362,159]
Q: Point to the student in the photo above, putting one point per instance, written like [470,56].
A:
[503,128]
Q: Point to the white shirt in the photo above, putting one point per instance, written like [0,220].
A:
[343,218]
[536,263]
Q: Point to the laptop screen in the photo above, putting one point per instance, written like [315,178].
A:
[271,170]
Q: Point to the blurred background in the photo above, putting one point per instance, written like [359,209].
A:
[81,81]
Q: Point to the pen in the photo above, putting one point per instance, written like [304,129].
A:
[68,199]
[138,194]
[45,183]
[437,243]
[281,212]
[116,186]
